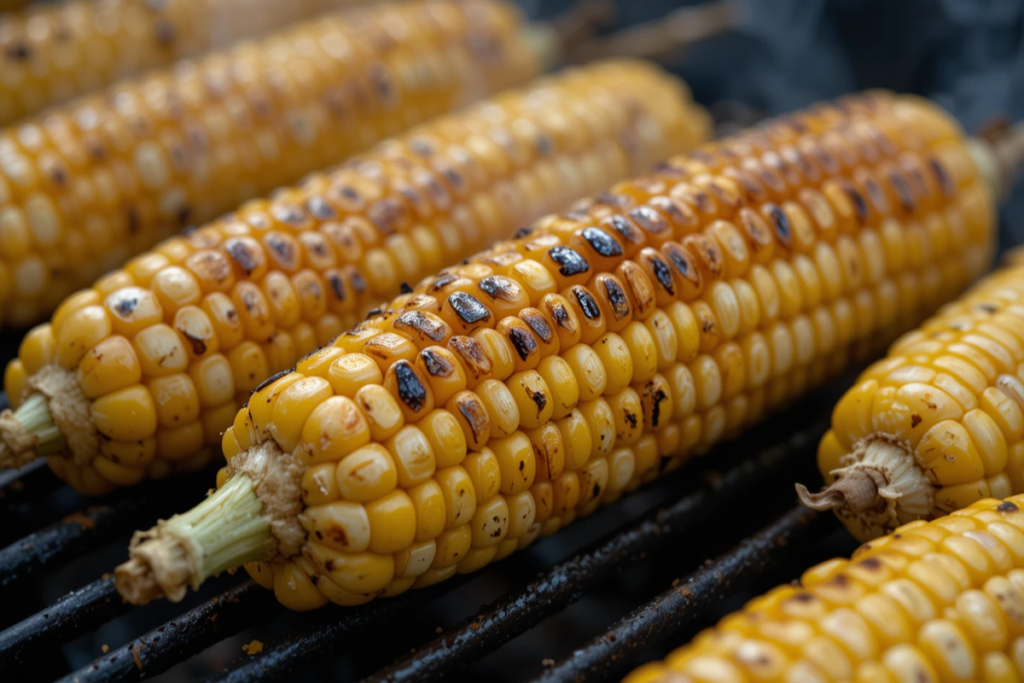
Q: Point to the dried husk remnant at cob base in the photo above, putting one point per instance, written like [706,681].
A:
[936,601]
[938,423]
[166,350]
[503,398]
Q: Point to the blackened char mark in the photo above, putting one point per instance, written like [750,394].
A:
[523,341]
[436,364]
[587,302]
[617,298]
[539,324]
[603,243]
[469,308]
[419,321]
[783,230]
[570,262]
[663,275]
[499,287]
[410,389]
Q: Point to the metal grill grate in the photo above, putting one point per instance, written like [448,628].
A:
[672,527]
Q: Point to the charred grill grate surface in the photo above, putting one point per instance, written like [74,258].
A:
[687,502]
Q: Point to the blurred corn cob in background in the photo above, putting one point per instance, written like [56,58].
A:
[86,186]
[160,355]
[942,601]
[55,51]
[939,423]
[503,398]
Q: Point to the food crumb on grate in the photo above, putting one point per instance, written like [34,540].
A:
[105,648]
[253,648]
[547,662]
[438,630]
[81,520]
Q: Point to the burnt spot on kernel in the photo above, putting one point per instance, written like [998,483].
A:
[243,255]
[943,177]
[538,323]
[902,190]
[616,298]
[561,316]
[126,306]
[603,243]
[681,260]
[386,214]
[444,281]
[268,381]
[474,413]
[469,308]
[523,341]
[18,51]
[198,343]
[1007,507]
[419,321]
[538,397]
[282,248]
[499,287]
[522,232]
[662,274]
[405,288]
[625,228]
[337,285]
[410,388]
[780,222]
[436,364]
[472,354]
[657,396]
[617,201]
[358,283]
[859,203]
[587,303]
[570,262]
[649,219]
[872,563]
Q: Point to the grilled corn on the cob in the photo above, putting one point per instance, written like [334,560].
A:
[52,53]
[162,354]
[86,186]
[939,423]
[501,399]
[936,601]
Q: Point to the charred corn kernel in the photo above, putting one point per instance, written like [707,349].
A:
[645,401]
[46,48]
[945,406]
[931,602]
[256,285]
[109,175]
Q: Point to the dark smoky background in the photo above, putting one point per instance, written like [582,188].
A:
[966,55]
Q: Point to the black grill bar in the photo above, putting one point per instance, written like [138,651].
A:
[88,528]
[607,656]
[71,616]
[326,631]
[181,637]
[566,583]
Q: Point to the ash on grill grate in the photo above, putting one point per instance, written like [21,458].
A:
[564,584]
[612,653]
[307,639]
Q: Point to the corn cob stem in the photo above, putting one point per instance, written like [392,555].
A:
[246,520]
[856,492]
[663,38]
[53,418]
